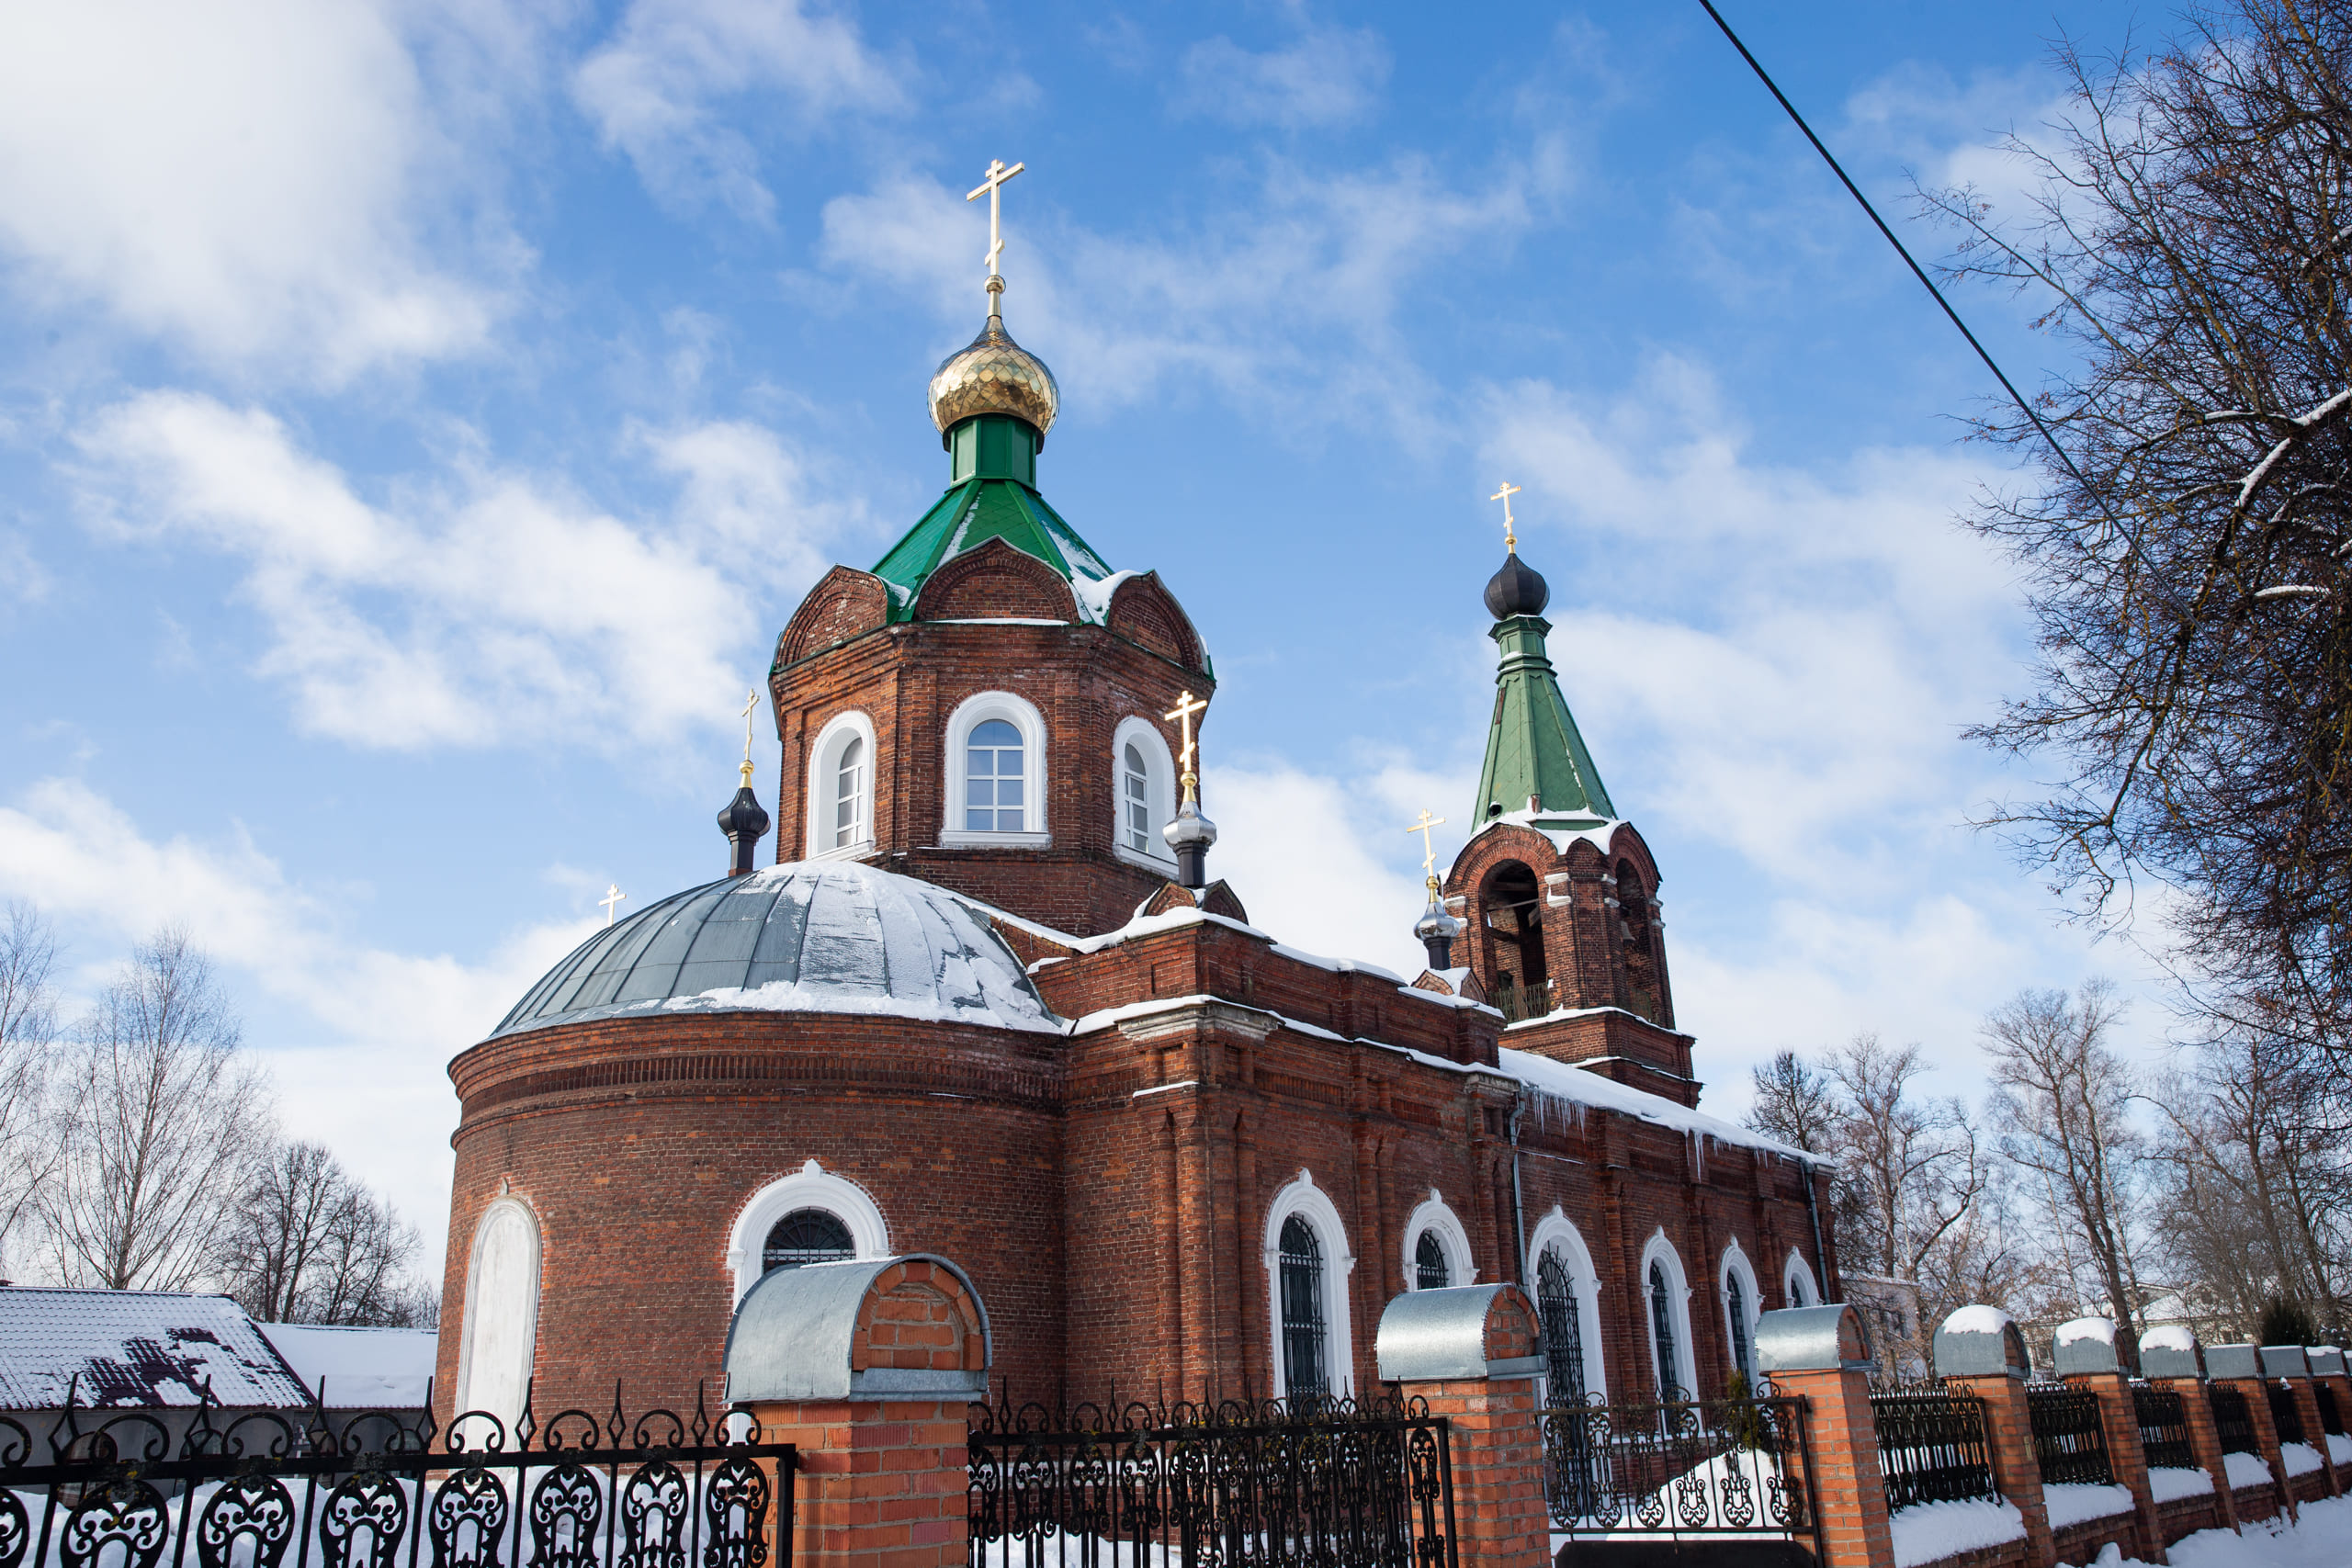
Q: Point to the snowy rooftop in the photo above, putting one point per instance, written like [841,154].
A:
[136,1347]
[830,936]
[358,1368]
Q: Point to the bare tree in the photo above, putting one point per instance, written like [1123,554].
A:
[1913,1167]
[28,1047]
[1793,1101]
[306,1243]
[159,1116]
[2064,1099]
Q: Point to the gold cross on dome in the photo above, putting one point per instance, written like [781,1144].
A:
[1186,706]
[750,702]
[993,185]
[1428,847]
[613,895]
[1511,540]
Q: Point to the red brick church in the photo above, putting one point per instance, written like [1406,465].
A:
[985,1002]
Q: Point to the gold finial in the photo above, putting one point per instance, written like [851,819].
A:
[751,701]
[1429,846]
[613,895]
[1511,540]
[1186,706]
[992,186]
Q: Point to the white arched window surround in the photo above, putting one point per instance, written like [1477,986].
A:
[969,714]
[824,779]
[1797,1287]
[1160,772]
[1433,1218]
[500,1337]
[1302,1198]
[811,1187]
[1683,1374]
[1556,1232]
[1735,1266]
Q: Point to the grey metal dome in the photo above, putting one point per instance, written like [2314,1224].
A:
[812,937]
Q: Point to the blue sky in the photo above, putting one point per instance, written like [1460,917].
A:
[417,420]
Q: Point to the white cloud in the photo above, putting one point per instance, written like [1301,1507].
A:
[491,605]
[257,180]
[652,87]
[376,1092]
[1328,76]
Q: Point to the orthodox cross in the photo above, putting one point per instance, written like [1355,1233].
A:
[1511,540]
[1428,848]
[993,185]
[751,701]
[1186,706]
[613,895]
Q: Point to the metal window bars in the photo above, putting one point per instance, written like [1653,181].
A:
[2233,1420]
[2331,1416]
[1931,1445]
[2286,1411]
[2163,1416]
[1739,1465]
[2069,1435]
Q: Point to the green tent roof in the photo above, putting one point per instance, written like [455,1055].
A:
[978,510]
[1533,750]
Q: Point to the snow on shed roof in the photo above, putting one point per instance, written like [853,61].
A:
[135,1348]
[358,1368]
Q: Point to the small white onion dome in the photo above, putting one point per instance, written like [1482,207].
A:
[830,937]
[994,375]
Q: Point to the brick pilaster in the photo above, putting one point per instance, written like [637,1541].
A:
[1496,1444]
[2204,1443]
[2341,1387]
[2119,1420]
[2265,1435]
[2307,1403]
[883,1483]
[1841,1454]
[2008,1441]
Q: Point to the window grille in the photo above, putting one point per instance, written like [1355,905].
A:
[807,1236]
[1136,806]
[2331,1419]
[1669,1360]
[1556,1304]
[1736,1300]
[995,763]
[1430,1272]
[2233,1421]
[1301,1269]
[1931,1445]
[2069,1436]
[2286,1411]
[849,796]
[2163,1428]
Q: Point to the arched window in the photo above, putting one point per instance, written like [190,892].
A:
[1563,1319]
[1511,905]
[1556,1252]
[996,768]
[1662,1342]
[841,787]
[1430,1272]
[1134,800]
[1303,1331]
[807,1236]
[500,1337]
[1145,798]
[1796,1281]
[1736,1310]
[849,796]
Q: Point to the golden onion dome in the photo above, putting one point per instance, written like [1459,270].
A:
[994,375]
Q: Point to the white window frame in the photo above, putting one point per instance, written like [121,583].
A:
[1678,1289]
[1434,1218]
[1797,1284]
[1300,1196]
[824,770]
[811,1187]
[471,1396]
[1555,1229]
[969,714]
[1160,789]
[1735,1266]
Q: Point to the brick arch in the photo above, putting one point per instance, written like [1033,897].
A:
[1144,613]
[843,604]
[994,582]
[921,1315]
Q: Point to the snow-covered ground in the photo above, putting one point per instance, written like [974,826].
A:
[1926,1531]
[2167,1483]
[2074,1503]
[2317,1541]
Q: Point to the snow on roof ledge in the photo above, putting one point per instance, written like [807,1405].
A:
[1558,1081]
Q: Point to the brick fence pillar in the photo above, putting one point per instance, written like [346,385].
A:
[2328,1373]
[2288,1364]
[2173,1362]
[1980,1351]
[1818,1355]
[867,1368]
[1470,1353]
[2240,1367]
[2086,1360]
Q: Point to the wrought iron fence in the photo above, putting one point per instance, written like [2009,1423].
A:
[2233,1420]
[1931,1445]
[2286,1411]
[1685,1467]
[375,1489]
[2331,1419]
[2163,1428]
[2069,1435]
[1263,1483]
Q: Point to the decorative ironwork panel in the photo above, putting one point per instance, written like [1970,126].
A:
[2331,1416]
[1231,1484]
[2069,1435]
[1729,1466]
[1931,1445]
[253,1508]
[2163,1428]
[2233,1420]
[2286,1411]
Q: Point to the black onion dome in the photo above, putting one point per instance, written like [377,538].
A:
[745,816]
[1516,590]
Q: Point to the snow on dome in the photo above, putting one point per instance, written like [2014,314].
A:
[2169,1336]
[1978,1319]
[831,937]
[2098,1330]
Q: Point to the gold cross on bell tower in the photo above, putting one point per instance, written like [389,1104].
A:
[1186,706]
[1511,540]
[992,188]
[1429,846]
[750,702]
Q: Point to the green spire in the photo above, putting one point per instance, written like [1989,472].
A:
[1532,749]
